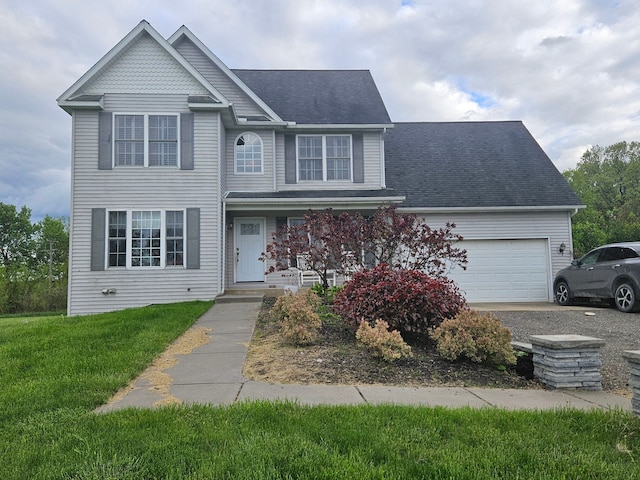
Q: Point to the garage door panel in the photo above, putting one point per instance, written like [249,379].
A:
[504,271]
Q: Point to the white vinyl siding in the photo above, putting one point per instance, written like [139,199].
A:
[241,182]
[243,105]
[145,67]
[120,189]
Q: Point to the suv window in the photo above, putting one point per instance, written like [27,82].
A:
[591,257]
[629,253]
[613,254]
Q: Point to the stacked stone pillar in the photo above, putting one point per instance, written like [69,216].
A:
[567,361]
[633,357]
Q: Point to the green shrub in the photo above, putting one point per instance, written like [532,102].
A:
[326,294]
[382,342]
[296,314]
[474,336]
[408,300]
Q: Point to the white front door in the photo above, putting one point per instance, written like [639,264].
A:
[249,245]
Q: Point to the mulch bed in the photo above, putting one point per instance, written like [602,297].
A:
[335,359]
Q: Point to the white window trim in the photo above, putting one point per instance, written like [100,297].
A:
[146,140]
[163,239]
[235,158]
[324,157]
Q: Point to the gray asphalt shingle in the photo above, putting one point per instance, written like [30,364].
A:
[472,164]
[319,96]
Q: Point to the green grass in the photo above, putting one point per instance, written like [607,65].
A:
[54,371]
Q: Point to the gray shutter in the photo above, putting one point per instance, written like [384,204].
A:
[105,126]
[290,159]
[358,158]
[98,238]
[186,141]
[193,238]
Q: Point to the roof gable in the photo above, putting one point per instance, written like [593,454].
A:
[472,165]
[319,96]
[234,89]
[142,62]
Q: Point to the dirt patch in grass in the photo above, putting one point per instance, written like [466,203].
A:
[155,378]
[335,359]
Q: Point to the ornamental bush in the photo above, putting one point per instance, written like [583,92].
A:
[382,342]
[408,300]
[474,336]
[297,317]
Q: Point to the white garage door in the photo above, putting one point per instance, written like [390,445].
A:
[504,271]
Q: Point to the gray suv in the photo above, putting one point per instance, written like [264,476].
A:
[610,272]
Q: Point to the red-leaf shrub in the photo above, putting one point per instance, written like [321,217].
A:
[408,300]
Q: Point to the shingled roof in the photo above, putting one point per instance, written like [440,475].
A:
[319,96]
[472,164]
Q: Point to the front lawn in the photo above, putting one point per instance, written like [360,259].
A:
[54,371]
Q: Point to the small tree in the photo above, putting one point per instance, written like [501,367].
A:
[405,241]
[346,242]
[318,242]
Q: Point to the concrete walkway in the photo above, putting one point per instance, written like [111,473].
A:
[212,374]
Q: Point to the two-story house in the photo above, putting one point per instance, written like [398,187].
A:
[182,168]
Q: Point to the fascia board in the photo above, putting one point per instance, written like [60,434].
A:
[143,26]
[220,64]
[307,203]
[70,105]
[341,126]
[497,209]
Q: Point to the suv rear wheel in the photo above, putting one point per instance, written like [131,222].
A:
[625,297]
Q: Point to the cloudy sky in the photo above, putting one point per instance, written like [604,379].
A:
[569,69]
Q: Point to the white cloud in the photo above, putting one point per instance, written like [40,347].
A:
[570,69]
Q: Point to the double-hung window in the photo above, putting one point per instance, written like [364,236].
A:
[146,238]
[324,157]
[146,140]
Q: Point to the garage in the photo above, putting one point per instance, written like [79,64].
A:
[505,271]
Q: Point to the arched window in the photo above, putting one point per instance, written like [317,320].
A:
[248,153]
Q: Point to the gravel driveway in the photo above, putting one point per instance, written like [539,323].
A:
[620,331]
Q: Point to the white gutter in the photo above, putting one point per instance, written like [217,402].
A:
[553,208]
[343,126]
[235,204]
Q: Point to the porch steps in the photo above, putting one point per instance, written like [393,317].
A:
[238,295]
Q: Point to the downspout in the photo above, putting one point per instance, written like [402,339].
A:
[273,160]
[222,205]
[383,179]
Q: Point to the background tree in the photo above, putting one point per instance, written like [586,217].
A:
[16,232]
[33,261]
[607,179]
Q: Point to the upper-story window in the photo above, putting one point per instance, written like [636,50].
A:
[324,157]
[248,153]
[146,140]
